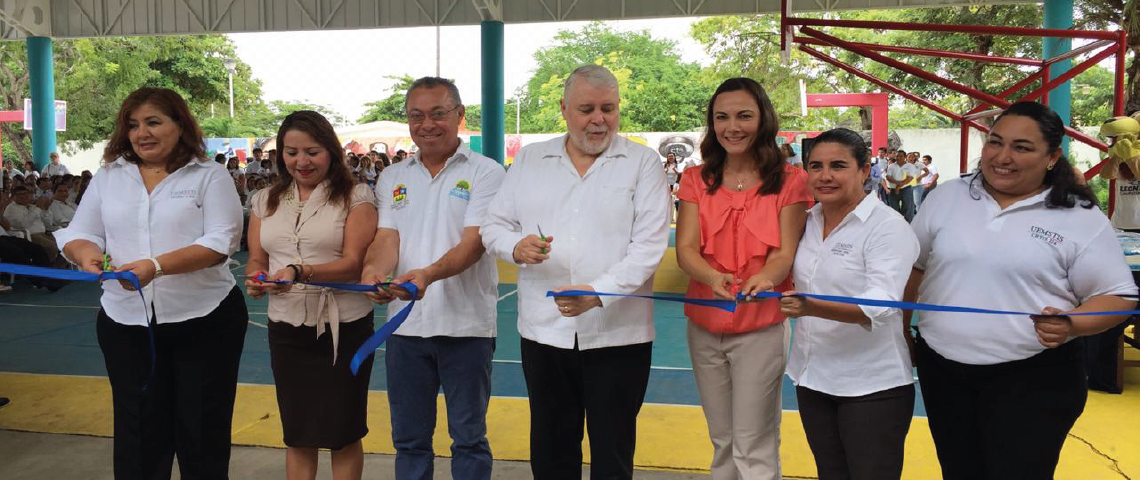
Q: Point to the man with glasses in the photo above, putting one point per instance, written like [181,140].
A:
[431,209]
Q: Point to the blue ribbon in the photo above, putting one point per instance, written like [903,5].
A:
[385,330]
[380,336]
[730,306]
[926,307]
[79,276]
[726,305]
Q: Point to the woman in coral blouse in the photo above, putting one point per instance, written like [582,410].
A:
[742,215]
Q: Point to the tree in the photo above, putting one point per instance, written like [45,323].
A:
[1117,15]
[1092,96]
[747,46]
[94,74]
[659,91]
[473,115]
[392,107]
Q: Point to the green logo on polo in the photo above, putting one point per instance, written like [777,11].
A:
[462,190]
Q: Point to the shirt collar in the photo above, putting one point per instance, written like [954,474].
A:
[618,148]
[201,162]
[463,152]
[862,211]
[975,183]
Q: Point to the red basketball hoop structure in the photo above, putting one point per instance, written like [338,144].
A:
[1105,44]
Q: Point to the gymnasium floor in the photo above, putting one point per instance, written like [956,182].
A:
[51,366]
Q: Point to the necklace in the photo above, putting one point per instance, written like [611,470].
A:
[151,169]
[740,184]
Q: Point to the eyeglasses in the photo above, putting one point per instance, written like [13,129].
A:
[437,115]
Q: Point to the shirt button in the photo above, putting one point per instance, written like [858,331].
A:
[294,239]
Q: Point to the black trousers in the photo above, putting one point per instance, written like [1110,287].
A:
[22,252]
[857,438]
[187,406]
[602,387]
[1003,421]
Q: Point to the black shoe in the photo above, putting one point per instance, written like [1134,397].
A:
[4,401]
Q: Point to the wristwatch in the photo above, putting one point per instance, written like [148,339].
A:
[157,267]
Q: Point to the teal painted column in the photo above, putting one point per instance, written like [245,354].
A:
[494,139]
[1059,14]
[42,85]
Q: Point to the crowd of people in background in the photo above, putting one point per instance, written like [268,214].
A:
[33,205]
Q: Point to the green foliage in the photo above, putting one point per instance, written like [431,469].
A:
[748,46]
[659,91]
[1099,186]
[1092,96]
[391,107]
[473,115]
[95,74]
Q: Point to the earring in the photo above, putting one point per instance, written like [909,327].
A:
[1050,167]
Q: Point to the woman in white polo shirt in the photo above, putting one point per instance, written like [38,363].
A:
[162,210]
[1020,234]
[850,363]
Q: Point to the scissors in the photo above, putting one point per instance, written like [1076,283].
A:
[541,235]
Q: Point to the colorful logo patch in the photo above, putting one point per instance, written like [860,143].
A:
[462,190]
[399,195]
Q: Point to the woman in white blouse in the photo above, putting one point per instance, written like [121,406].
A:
[160,209]
[315,224]
[1020,234]
[850,363]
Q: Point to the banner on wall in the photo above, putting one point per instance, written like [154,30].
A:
[60,115]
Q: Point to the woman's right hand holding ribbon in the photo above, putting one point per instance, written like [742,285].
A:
[723,285]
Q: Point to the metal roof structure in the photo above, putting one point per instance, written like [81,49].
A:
[100,18]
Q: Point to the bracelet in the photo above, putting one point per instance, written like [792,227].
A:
[296,272]
[312,271]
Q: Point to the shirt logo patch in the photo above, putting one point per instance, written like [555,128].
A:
[462,190]
[1052,238]
[1130,189]
[187,193]
[842,249]
[400,196]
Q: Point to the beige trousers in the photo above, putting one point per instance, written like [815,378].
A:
[739,377]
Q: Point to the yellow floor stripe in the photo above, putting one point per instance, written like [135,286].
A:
[669,436]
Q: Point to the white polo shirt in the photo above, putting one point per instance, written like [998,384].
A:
[896,173]
[1126,215]
[610,229]
[25,217]
[931,171]
[868,255]
[53,169]
[430,214]
[1024,258]
[58,215]
[195,205]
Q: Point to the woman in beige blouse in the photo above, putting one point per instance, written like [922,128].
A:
[314,224]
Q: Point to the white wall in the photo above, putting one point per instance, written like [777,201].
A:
[90,159]
[942,145]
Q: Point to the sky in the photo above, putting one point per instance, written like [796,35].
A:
[346,69]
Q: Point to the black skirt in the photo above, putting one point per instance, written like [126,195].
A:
[322,405]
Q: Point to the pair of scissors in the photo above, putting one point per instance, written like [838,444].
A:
[541,236]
